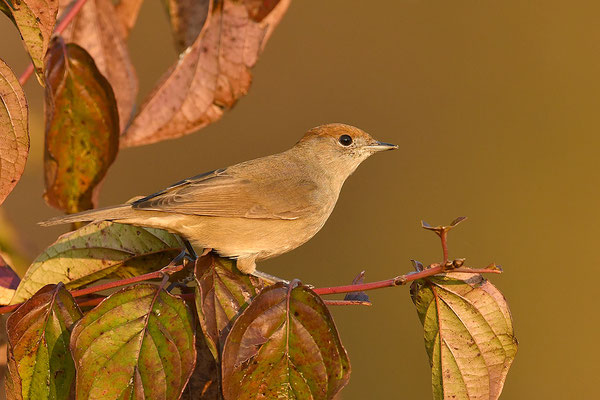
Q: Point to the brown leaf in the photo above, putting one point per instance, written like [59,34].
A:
[187,19]
[82,128]
[98,30]
[210,76]
[35,20]
[14,134]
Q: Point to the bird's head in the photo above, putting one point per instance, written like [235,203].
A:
[340,148]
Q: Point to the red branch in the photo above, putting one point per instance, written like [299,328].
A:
[400,280]
[64,22]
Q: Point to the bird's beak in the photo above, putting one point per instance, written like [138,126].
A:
[381,146]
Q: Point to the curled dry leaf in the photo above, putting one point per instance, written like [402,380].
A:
[138,343]
[211,75]
[284,345]
[96,251]
[35,20]
[97,29]
[14,134]
[468,335]
[82,128]
[221,292]
[39,360]
[187,19]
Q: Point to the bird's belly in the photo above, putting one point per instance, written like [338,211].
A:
[233,237]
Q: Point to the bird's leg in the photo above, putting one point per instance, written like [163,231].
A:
[190,253]
[268,277]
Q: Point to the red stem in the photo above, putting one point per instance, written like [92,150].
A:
[399,280]
[65,20]
[128,281]
[444,239]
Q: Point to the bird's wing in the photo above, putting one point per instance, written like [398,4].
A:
[223,194]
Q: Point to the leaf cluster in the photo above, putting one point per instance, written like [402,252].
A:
[179,326]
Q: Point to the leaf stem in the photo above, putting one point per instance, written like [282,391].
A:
[65,20]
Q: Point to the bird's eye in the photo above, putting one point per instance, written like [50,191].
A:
[345,140]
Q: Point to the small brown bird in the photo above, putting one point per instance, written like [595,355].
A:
[257,209]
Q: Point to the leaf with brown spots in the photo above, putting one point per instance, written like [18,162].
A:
[468,335]
[40,364]
[97,251]
[82,128]
[35,20]
[284,345]
[14,133]
[211,75]
[97,29]
[139,343]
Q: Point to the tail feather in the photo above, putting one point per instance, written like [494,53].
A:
[100,214]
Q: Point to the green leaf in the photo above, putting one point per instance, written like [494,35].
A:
[284,345]
[82,128]
[221,292]
[468,335]
[138,343]
[96,251]
[35,20]
[40,364]
[14,133]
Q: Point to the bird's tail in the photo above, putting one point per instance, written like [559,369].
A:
[100,214]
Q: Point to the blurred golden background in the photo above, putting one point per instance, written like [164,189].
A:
[495,108]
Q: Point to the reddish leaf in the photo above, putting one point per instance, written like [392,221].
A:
[40,366]
[221,292]
[284,345]
[14,134]
[98,30]
[82,128]
[8,278]
[138,343]
[210,76]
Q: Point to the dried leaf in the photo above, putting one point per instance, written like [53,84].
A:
[284,345]
[187,19]
[210,76]
[138,343]
[40,366]
[127,12]
[82,128]
[35,20]
[221,292]
[96,251]
[98,30]
[14,133]
[468,335]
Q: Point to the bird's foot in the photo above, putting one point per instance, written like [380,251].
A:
[268,277]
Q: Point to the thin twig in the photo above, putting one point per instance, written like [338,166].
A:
[347,303]
[65,20]
[434,269]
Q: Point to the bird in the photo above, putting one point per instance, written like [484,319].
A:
[256,209]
